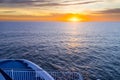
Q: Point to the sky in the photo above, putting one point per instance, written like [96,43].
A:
[60,10]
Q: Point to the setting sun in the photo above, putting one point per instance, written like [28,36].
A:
[74,19]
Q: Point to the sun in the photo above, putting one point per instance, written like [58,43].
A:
[75,19]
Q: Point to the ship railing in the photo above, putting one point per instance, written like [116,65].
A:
[32,75]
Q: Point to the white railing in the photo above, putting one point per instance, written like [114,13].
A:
[66,75]
[34,75]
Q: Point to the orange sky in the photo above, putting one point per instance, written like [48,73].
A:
[60,17]
[60,10]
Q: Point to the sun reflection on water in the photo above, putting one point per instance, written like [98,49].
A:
[73,40]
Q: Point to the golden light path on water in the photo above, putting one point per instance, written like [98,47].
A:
[73,40]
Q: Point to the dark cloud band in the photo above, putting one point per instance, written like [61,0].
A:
[44,2]
[65,4]
[109,11]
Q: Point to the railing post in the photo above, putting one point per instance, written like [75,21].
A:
[36,75]
[12,75]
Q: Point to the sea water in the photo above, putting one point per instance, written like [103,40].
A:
[91,48]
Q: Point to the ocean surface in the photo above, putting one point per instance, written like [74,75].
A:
[91,48]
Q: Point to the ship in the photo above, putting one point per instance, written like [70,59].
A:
[22,69]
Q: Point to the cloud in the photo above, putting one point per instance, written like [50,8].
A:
[65,4]
[45,2]
[111,1]
[109,11]
[8,11]
[106,15]
[20,1]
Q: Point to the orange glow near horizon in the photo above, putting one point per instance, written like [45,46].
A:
[68,17]
[59,17]
[60,10]
[75,19]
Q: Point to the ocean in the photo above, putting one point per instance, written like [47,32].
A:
[91,48]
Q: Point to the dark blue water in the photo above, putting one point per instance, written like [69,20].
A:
[90,48]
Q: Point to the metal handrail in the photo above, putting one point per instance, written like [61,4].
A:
[33,75]
[7,77]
